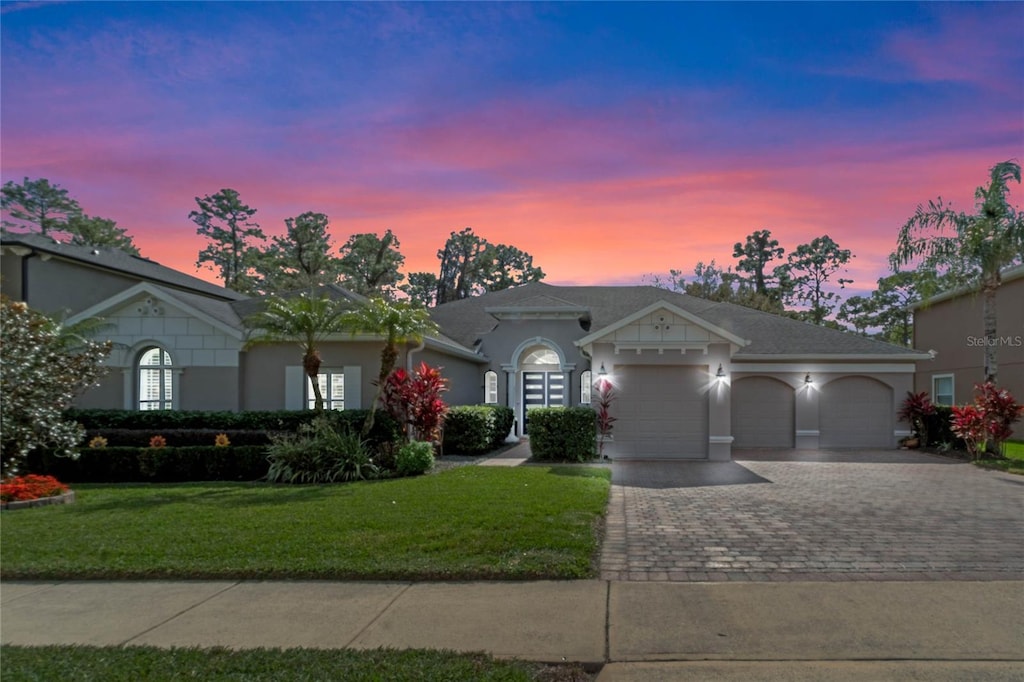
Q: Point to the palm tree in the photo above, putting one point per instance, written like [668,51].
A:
[304,320]
[984,243]
[398,322]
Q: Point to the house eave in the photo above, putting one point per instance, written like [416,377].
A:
[832,357]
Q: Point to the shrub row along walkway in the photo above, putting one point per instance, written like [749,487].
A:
[798,515]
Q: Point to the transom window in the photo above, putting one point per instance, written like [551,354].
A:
[156,380]
[586,384]
[491,387]
[332,388]
[541,356]
[943,389]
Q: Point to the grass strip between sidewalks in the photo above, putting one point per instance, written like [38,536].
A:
[128,664]
[466,523]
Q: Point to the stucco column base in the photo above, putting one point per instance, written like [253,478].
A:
[720,451]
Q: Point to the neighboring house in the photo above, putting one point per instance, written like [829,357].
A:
[950,325]
[694,378]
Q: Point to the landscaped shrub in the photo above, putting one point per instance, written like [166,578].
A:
[414,399]
[165,422]
[31,487]
[145,464]
[473,429]
[504,417]
[988,422]
[414,458]
[916,409]
[939,428]
[320,453]
[563,433]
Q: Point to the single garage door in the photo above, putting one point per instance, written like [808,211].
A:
[762,413]
[662,412]
[856,412]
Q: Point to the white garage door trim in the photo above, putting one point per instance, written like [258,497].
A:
[662,412]
[763,412]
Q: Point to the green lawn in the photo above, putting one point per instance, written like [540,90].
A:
[465,523]
[1014,462]
[116,664]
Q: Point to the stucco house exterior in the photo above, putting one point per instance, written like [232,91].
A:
[950,325]
[694,379]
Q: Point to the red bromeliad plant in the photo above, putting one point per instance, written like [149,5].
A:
[915,409]
[30,487]
[605,421]
[415,400]
[990,418]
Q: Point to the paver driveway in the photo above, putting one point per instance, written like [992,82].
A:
[797,515]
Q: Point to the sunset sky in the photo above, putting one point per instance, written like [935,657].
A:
[609,140]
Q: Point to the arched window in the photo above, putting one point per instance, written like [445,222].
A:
[156,380]
[491,387]
[586,384]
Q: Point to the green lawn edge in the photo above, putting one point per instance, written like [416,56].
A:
[470,523]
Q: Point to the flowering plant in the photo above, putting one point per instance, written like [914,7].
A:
[98,442]
[605,421]
[157,442]
[415,400]
[30,487]
[915,409]
[988,419]
[221,440]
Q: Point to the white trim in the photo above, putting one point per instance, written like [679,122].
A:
[808,357]
[808,432]
[127,295]
[675,310]
[720,439]
[901,433]
[823,368]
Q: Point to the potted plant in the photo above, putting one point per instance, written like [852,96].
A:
[916,408]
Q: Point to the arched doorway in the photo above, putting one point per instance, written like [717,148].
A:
[543,381]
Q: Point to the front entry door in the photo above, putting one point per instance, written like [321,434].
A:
[541,389]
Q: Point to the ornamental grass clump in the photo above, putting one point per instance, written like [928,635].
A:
[319,453]
[30,487]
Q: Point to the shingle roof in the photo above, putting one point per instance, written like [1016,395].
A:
[467,320]
[119,261]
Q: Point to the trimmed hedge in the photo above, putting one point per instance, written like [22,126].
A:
[563,433]
[474,429]
[153,422]
[154,465]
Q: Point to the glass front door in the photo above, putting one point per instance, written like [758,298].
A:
[541,389]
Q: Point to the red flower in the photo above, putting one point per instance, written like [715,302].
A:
[30,487]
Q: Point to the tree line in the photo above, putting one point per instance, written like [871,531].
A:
[937,249]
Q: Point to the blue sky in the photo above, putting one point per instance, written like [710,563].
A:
[609,140]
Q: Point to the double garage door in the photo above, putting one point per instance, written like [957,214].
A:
[853,412]
[662,412]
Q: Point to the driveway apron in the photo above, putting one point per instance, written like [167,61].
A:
[799,515]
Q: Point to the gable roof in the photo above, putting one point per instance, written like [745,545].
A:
[771,336]
[115,260]
[216,313]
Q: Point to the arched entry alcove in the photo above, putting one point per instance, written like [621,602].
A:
[539,377]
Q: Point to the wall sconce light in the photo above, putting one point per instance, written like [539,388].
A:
[721,372]
[807,379]
[602,372]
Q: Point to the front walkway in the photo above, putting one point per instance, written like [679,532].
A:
[790,516]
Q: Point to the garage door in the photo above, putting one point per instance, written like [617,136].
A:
[762,413]
[856,412]
[662,412]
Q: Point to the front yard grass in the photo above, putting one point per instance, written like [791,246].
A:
[128,664]
[1013,462]
[466,523]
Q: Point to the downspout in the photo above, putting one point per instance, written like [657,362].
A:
[408,367]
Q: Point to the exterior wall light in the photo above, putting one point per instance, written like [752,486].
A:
[721,372]
[807,379]
[602,372]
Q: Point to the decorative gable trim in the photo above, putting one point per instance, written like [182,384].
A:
[154,293]
[668,327]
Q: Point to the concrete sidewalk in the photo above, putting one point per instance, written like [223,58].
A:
[814,630]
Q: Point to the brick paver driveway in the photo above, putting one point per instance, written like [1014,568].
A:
[796,515]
